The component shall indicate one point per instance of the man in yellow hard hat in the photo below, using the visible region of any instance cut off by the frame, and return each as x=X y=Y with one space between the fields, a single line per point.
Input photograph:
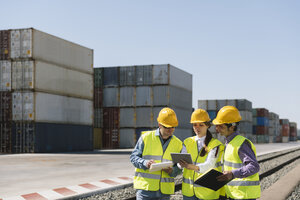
x=240 y=162
x=155 y=147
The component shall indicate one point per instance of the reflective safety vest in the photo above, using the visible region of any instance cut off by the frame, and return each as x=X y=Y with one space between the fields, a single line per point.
x=158 y=180
x=189 y=176
x=240 y=188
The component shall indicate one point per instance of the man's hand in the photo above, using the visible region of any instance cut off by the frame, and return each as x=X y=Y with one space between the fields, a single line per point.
x=149 y=163
x=227 y=176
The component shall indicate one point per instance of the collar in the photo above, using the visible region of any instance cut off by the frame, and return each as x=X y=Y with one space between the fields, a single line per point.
x=230 y=137
x=157 y=133
x=200 y=139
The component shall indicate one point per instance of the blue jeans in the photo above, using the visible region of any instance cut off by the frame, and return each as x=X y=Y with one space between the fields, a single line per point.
x=151 y=195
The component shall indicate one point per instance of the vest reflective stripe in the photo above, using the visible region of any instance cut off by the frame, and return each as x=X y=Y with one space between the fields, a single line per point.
x=218 y=164
x=167 y=180
x=150 y=157
x=240 y=188
x=159 y=180
x=243 y=183
x=190 y=189
x=233 y=165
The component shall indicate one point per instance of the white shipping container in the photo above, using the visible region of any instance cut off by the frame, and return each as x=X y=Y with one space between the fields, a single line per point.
x=127 y=117
x=202 y=104
x=51 y=108
x=246 y=115
x=127 y=96
x=31 y=43
x=168 y=74
x=50 y=78
x=144 y=96
x=144 y=117
x=5 y=75
x=211 y=104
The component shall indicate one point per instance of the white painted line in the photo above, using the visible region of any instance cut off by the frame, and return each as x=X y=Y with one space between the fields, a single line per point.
x=78 y=189
x=50 y=194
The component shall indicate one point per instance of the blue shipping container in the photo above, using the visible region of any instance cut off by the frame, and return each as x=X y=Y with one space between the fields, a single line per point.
x=262 y=121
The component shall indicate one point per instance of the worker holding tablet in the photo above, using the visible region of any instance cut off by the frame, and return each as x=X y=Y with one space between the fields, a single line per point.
x=206 y=153
x=156 y=147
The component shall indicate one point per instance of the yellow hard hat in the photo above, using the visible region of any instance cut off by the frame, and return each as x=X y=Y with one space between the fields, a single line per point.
x=227 y=115
x=167 y=118
x=199 y=116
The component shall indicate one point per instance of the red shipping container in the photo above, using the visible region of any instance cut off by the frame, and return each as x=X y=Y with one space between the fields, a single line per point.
x=98 y=97
x=110 y=138
x=262 y=112
x=262 y=130
x=111 y=117
x=285 y=131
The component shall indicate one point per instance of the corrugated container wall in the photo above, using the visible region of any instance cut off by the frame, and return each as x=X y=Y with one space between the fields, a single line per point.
x=5 y=122
x=4 y=45
x=5 y=75
x=51 y=108
x=31 y=43
x=144 y=75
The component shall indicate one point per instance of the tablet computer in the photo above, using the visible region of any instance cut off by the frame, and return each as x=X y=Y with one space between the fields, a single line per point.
x=209 y=180
x=176 y=157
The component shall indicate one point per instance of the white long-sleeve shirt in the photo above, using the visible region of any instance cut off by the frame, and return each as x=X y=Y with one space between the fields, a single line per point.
x=211 y=159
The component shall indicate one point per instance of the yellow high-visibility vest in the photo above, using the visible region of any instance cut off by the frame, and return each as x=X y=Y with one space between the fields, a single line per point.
x=240 y=188
x=189 y=176
x=159 y=180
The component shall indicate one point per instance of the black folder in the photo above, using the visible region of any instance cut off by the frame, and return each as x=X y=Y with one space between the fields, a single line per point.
x=209 y=180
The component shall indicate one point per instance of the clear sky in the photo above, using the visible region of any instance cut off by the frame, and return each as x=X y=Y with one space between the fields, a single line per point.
x=234 y=48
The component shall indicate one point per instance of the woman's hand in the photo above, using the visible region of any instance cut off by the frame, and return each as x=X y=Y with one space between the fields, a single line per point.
x=149 y=163
x=188 y=166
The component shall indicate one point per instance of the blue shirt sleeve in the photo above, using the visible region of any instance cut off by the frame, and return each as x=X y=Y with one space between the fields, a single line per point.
x=136 y=155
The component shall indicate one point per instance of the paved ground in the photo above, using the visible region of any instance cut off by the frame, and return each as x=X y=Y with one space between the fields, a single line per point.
x=30 y=173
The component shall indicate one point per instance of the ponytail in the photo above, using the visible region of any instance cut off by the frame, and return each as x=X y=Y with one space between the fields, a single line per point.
x=206 y=141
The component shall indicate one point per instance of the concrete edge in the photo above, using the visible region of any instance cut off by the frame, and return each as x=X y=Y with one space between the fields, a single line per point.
x=96 y=192
x=282 y=188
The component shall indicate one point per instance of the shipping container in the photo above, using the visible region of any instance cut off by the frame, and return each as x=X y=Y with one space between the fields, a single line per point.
x=285 y=139
x=5 y=75
x=231 y=102
x=182 y=134
x=243 y=104
x=29 y=137
x=45 y=107
x=111 y=97
x=5 y=106
x=98 y=77
x=98 y=117
x=50 y=78
x=202 y=104
x=212 y=105
x=285 y=127
x=5 y=137
x=98 y=97
x=127 y=137
x=172 y=97
x=144 y=75
x=127 y=96
x=262 y=112
x=127 y=117
x=246 y=115
x=31 y=43
x=138 y=132
x=4 y=45
x=170 y=75
x=111 y=118
x=111 y=138
x=144 y=96
x=212 y=114
x=144 y=117
x=262 y=121
x=260 y=130
x=97 y=138
x=127 y=76
x=221 y=103
x=245 y=127
x=111 y=77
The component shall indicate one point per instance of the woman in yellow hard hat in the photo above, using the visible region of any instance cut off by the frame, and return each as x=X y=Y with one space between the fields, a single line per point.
x=206 y=153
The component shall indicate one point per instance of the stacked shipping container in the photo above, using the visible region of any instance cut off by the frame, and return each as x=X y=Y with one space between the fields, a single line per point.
x=261 y=124
x=274 y=130
x=137 y=94
x=284 y=130
x=50 y=82
x=244 y=106
x=293 y=131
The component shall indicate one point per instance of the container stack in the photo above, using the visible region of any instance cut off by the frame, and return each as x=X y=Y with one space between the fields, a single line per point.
x=274 y=130
x=293 y=131
x=132 y=97
x=261 y=124
x=47 y=83
x=285 y=130
x=244 y=106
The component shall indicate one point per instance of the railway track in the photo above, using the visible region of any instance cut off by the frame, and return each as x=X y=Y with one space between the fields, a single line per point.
x=270 y=165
